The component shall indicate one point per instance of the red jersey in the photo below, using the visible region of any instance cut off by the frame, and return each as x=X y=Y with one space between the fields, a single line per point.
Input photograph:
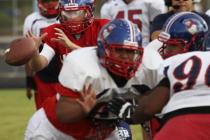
x=87 y=38
x=83 y=129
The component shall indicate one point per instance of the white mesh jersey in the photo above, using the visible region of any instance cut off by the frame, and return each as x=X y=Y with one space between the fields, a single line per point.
x=82 y=67
x=36 y=23
x=140 y=12
x=208 y=12
x=189 y=76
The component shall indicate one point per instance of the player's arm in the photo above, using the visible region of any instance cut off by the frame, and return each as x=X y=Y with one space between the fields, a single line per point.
x=30 y=84
x=153 y=103
x=69 y=110
x=39 y=61
x=63 y=39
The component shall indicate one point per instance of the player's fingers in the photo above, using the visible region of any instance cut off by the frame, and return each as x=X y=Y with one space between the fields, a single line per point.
x=29 y=33
x=43 y=36
x=55 y=40
x=59 y=34
x=59 y=30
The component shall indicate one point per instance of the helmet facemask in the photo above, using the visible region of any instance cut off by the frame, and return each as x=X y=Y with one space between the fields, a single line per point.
x=76 y=19
x=172 y=47
x=122 y=60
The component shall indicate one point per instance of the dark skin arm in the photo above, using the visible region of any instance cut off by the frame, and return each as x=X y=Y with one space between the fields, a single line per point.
x=152 y=103
x=70 y=110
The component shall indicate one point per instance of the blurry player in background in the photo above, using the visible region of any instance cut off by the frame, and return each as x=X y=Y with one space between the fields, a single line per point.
x=77 y=28
x=48 y=77
x=182 y=96
x=117 y=67
x=140 y=12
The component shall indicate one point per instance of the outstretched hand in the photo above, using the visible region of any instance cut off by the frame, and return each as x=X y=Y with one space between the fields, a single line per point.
x=63 y=39
x=37 y=40
x=87 y=99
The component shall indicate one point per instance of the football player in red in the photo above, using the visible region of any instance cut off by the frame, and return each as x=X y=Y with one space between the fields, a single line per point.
x=77 y=28
x=46 y=78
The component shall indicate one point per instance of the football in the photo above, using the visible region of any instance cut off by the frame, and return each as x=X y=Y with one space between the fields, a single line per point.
x=20 y=51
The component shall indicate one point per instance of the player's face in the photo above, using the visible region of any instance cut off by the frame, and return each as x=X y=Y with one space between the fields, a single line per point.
x=182 y=5
x=125 y=54
x=74 y=16
x=174 y=47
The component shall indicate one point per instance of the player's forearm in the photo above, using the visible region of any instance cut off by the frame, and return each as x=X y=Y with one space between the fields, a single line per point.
x=69 y=111
x=151 y=104
x=38 y=62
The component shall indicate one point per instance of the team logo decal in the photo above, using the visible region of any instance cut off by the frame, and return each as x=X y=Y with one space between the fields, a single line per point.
x=191 y=26
x=108 y=30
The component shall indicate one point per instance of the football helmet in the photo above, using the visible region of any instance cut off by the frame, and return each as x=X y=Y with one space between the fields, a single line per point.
x=76 y=15
x=48 y=8
x=183 y=32
x=120 y=47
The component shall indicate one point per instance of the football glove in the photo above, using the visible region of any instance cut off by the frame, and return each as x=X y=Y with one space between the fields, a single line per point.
x=122 y=108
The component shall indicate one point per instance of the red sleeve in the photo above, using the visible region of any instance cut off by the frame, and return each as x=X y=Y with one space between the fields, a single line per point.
x=67 y=92
x=51 y=34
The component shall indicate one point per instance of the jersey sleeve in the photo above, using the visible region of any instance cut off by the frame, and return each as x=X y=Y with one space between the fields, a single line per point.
x=150 y=66
x=50 y=35
x=79 y=69
x=27 y=24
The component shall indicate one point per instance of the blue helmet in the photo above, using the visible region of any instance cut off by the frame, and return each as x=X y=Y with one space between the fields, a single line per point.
x=118 y=36
x=184 y=32
x=76 y=15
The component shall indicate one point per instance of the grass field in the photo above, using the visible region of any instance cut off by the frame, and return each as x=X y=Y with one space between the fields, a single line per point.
x=15 y=111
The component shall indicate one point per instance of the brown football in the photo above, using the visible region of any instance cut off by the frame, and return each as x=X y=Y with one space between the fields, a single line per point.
x=20 y=51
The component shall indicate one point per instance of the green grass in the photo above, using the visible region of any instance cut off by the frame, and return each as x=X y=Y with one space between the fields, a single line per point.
x=16 y=110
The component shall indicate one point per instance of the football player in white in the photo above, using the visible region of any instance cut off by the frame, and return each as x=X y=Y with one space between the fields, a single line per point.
x=47 y=78
x=140 y=12
x=118 y=67
x=182 y=96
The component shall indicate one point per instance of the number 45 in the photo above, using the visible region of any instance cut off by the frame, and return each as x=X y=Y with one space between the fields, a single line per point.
x=131 y=14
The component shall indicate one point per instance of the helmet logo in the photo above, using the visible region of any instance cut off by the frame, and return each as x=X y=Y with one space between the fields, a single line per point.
x=191 y=26
x=71 y=3
x=109 y=29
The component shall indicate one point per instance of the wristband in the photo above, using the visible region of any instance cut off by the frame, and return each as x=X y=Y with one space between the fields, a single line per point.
x=30 y=82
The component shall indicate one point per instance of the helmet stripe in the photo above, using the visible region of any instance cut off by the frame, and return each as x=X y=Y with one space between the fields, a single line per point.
x=131 y=31
x=173 y=19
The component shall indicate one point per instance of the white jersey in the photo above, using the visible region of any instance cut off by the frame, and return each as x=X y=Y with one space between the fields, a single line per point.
x=140 y=12
x=155 y=44
x=36 y=23
x=82 y=67
x=189 y=76
x=208 y=12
